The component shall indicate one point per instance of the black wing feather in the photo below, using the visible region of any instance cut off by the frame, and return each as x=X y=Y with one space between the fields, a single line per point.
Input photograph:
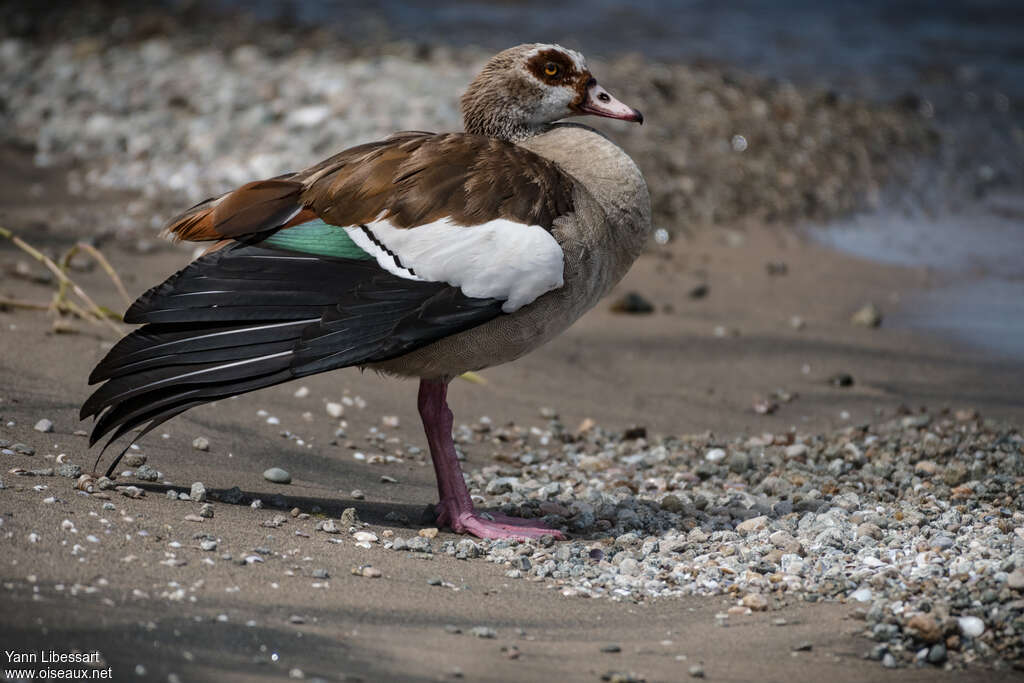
x=247 y=317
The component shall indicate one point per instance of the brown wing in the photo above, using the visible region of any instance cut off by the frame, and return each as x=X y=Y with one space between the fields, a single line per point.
x=410 y=179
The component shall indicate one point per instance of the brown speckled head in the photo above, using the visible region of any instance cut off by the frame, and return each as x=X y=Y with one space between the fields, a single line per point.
x=522 y=90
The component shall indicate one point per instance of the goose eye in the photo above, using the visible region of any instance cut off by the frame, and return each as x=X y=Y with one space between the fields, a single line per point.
x=551 y=69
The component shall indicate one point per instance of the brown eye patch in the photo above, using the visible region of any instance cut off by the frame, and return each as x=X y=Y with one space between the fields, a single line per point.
x=553 y=67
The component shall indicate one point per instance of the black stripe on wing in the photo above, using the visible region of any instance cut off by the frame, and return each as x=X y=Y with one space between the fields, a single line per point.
x=247 y=317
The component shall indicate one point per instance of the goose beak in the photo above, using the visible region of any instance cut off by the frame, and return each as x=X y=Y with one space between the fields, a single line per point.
x=600 y=102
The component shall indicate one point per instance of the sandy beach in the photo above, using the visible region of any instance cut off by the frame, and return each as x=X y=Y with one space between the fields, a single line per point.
x=750 y=349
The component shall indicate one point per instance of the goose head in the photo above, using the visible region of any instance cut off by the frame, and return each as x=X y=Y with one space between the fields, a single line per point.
x=523 y=89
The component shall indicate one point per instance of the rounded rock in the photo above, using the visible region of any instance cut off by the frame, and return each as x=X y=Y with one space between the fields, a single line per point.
x=277 y=475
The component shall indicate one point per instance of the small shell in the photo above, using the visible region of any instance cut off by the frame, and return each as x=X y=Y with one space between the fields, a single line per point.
x=86 y=483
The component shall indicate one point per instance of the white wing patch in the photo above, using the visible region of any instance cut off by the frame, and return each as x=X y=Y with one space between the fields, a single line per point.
x=499 y=259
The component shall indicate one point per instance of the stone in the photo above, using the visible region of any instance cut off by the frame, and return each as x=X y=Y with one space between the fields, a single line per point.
x=752 y=525
x=937 y=654
x=715 y=455
x=755 y=601
x=633 y=303
x=796 y=450
x=869 y=530
x=672 y=503
x=146 y=473
x=277 y=475
x=349 y=518
x=198 y=492
x=925 y=627
x=69 y=470
x=971 y=627
x=1015 y=579
x=867 y=316
x=201 y=443
x=335 y=410
x=206 y=511
x=696 y=671
x=44 y=425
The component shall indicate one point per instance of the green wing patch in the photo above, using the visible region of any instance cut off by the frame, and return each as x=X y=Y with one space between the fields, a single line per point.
x=317 y=237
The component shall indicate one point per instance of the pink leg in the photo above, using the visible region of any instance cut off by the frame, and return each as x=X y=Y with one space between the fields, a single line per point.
x=456 y=507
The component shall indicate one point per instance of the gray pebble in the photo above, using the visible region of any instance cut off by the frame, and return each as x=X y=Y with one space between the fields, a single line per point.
x=146 y=473
x=44 y=425
x=198 y=492
x=69 y=470
x=277 y=475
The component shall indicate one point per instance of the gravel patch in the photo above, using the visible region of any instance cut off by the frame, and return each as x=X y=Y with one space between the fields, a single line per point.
x=916 y=521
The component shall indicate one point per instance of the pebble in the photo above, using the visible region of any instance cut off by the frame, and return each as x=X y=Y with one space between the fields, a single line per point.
x=134 y=460
x=330 y=527
x=715 y=455
x=926 y=627
x=201 y=443
x=206 y=510
x=1015 y=580
x=696 y=671
x=632 y=303
x=277 y=475
x=198 y=492
x=69 y=470
x=755 y=601
x=335 y=410
x=146 y=473
x=350 y=518
x=365 y=537
x=611 y=648
x=370 y=572
x=483 y=632
x=44 y=425
x=971 y=627
x=867 y=316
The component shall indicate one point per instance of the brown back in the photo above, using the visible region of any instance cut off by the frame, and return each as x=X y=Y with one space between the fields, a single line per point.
x=410 y=179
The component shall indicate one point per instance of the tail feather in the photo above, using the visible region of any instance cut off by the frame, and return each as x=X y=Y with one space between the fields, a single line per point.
x=247 y=317
x=159 y=345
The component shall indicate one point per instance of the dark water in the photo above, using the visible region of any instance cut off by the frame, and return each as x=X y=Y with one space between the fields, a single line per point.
x=963 y=212
x=871 y=45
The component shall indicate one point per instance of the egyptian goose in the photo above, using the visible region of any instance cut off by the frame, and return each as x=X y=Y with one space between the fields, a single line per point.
x=423 y=255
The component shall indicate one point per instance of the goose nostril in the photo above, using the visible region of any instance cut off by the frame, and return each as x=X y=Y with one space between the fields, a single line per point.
x=604 y=97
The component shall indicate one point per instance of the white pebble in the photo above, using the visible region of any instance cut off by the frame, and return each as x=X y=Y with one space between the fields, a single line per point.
x=972 y=627
x=715 y=455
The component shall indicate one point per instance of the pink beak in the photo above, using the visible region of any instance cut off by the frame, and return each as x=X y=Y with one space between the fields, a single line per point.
x=599 y=102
